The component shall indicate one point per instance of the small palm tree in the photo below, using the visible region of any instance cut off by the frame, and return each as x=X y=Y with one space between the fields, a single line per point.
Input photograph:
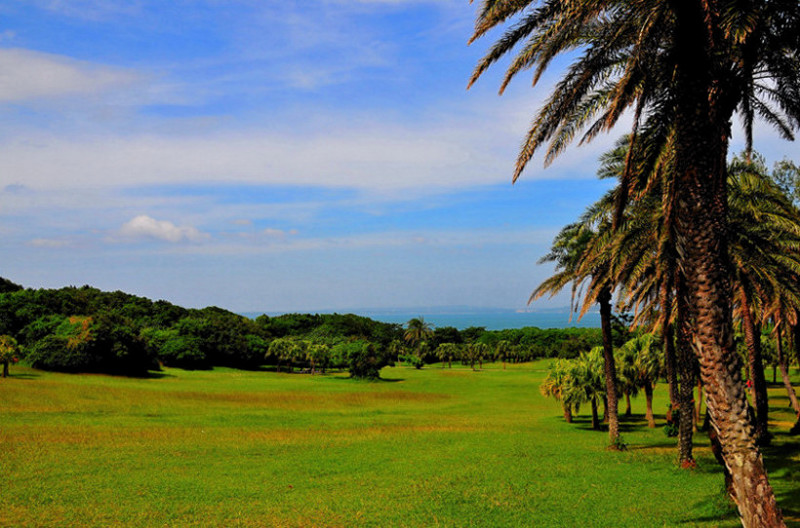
x=588 y=378
x=502 y=351
x=643 y=360
x=318 y=354
x=559 y=384
x=8 y=352
x=446 y=352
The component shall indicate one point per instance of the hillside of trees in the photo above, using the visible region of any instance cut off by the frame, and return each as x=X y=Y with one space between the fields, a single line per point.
x=83 y=329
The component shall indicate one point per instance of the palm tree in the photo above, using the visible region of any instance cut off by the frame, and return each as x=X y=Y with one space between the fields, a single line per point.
x=446 y=352
x=685 y=66
x=8 y=349
x=280 y=349
x=589 y=377
x=396 y=350
x=764 y=240
x=318 y=354
x=417 y=330
x=580 y=254
x=782 y=365
x=560 y=384
x=627 y=378
x=642 y=359
x=502 y=351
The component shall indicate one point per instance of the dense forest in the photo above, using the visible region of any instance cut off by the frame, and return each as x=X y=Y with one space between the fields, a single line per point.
x=83 y=329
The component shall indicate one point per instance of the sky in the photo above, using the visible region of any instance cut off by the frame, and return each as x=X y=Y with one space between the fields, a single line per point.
x=265 y=155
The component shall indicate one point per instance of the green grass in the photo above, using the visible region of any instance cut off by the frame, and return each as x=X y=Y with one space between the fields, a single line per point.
x=426 y=448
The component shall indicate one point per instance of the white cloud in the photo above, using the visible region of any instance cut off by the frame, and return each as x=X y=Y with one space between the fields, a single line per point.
x=450 y=151
x=144 y=226
x=49 y=243
x=449 y=241
x=29 y=75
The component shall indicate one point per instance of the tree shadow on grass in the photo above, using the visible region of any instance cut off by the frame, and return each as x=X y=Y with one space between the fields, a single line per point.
x=368 y=380
x=781 y=461
x=24 y=375
x=155 y=374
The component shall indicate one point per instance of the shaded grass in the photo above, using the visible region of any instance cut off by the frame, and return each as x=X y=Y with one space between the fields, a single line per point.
x=437 y=448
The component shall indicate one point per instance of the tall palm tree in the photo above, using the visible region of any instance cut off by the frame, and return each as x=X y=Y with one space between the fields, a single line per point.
x=764 y=236
x=417 y=331
x=578 y=260
x=687 y=65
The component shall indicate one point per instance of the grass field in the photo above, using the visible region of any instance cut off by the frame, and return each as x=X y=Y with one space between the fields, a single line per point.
x=422 y=448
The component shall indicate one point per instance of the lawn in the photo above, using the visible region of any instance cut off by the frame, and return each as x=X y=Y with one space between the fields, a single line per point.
x=431 y=447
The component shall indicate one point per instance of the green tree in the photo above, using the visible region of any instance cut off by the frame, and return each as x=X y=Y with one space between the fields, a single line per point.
x=502 y=351
x=560 y=384
x=280 y=350
x=687 y=67
x=446 y=352
x=318 y=355
x=8 y=352
x=417 y=330
x=643 y=360
x=581 y=257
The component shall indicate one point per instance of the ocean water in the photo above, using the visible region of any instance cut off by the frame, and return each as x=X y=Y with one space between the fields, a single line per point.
x=494 y=320
x=491 y=320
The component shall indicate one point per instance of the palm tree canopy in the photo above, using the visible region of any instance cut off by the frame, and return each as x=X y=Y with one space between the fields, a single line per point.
x=417 y=330
x=627 y=55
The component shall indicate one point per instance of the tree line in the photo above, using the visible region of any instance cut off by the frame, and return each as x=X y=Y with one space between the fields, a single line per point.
x=83 y=329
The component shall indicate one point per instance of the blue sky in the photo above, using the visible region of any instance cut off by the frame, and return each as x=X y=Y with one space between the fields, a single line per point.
x=274 y=155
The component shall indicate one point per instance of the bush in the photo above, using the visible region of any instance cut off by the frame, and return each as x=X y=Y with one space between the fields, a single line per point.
x=82 y=344
x=183 y=352
x=363 y=359
x=412 y=360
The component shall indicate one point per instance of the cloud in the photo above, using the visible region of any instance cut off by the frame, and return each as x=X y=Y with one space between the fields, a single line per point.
x=27 y=75
x=49 y=243
x=443 y=241
x=144 y=226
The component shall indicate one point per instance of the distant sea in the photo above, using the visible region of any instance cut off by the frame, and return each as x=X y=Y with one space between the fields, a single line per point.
x=496 y=319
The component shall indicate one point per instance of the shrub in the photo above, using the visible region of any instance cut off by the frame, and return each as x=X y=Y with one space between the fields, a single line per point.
x=363 y=359
x=83 y=344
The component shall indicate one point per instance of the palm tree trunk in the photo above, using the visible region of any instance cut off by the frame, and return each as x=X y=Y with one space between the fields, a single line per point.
x=686 y=390
x=648 y=396
x=702 y=130
x=5 y=368
x=610 y=369
x=795 y=344
x=785 y=373
x=752 y=336
x=627 y=404
x=669 y=343
x=595 y=418
x=567 y=412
